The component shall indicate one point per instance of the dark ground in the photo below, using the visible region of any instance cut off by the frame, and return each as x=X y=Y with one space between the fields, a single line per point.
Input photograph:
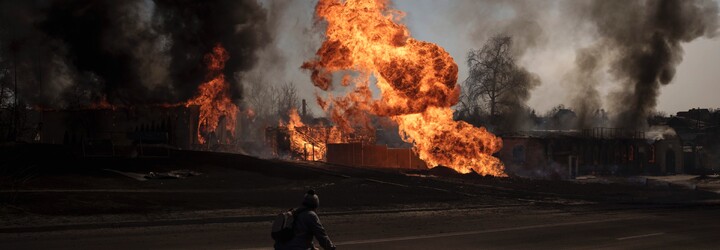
x=64 y=202
x=526 y=227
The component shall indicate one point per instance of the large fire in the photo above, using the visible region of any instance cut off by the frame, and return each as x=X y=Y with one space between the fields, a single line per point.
x=213 y=97
x=310 y=142
x=417 y=81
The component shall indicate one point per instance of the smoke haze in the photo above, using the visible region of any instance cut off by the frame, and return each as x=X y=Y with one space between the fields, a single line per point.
x=643 y=41
x=613 y=55
x=75 y=52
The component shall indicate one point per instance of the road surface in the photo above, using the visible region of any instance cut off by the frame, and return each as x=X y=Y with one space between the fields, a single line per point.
x=517 y=227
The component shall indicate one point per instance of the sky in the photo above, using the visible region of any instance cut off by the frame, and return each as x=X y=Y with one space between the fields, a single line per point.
x=696 y=83
x=459 y=26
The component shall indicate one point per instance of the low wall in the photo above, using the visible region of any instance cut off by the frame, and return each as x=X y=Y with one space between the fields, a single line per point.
x=357 y=154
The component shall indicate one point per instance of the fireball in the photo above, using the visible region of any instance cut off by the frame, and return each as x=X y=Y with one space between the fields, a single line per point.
x=417 y=81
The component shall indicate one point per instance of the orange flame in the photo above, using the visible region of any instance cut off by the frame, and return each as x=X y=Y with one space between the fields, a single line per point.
x=417 y=81
x=213 y=97
x=102 y=104
x=310 y=142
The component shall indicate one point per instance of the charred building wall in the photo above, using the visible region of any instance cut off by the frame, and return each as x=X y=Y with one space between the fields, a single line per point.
x=359 y=148
x=115 y=132
x=566 y=155
x=699 y=132
x=370 y=155
x=669 y=156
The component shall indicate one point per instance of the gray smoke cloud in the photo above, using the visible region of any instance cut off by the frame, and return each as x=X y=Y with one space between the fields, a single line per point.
x=75 y=52
x=295 y=37
x=642 y=42
x=581 y=84
x=479 y=21
x=634 y=44
x=516 y=19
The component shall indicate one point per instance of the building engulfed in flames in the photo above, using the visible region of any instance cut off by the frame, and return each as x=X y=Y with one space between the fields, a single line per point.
x=320 y=142
x=213 y=98
x=207 y=121
x=121 y=131
x=308 y=142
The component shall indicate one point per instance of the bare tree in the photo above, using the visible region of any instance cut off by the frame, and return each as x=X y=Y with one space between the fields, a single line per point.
x=261 y=99
x=499 y=86
x=493 y=76
x=287 y=99
x=270 y=102
x=470 y=109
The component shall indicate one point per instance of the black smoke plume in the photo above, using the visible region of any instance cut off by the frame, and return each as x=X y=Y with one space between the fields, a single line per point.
x=581 y=84
x=75 y=52
x=642 y=40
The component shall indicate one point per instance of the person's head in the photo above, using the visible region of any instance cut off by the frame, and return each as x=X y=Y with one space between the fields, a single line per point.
x=311 y=200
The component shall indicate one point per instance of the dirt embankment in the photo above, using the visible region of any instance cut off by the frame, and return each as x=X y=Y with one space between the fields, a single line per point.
x=48 y=185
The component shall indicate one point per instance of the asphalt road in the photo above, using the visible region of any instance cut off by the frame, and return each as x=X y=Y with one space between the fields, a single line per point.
x=520 y=227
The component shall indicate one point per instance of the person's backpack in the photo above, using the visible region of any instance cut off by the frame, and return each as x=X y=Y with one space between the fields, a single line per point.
x=283 y=228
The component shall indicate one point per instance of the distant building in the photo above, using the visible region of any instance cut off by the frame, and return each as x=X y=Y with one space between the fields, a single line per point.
x=136 y=131
x=695 y=114
x=605 y=151
x=699 y=132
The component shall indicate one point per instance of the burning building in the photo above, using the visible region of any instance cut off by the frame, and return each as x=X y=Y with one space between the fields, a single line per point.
x=417 y=84
x=127 y=131
x=117 y=132
x=321 y=142
x=207 y=121
x=368 y=66
x=127 y=73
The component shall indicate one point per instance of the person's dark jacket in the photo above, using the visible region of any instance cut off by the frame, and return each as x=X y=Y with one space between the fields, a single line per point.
x=307 y=226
